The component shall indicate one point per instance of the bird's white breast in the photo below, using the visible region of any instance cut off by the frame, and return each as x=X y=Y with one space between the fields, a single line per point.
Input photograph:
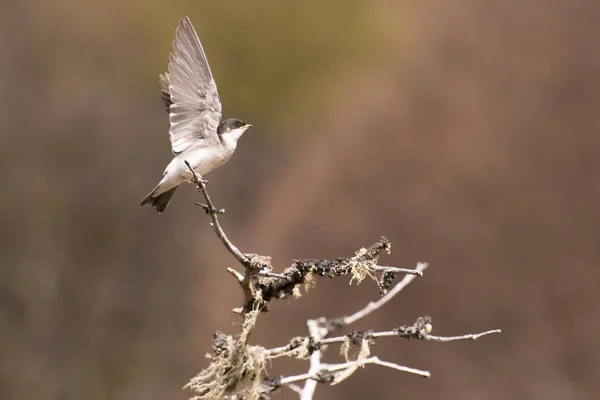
x=202 y=159
x=205 y=159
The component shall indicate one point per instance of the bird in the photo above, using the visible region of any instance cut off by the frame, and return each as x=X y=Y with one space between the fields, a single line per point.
x=197 y=133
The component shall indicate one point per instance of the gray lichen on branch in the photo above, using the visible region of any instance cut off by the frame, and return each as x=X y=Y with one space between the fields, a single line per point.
x=361 y=265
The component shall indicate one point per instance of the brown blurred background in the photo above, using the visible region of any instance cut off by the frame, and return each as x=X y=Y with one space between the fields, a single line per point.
x=465 y=131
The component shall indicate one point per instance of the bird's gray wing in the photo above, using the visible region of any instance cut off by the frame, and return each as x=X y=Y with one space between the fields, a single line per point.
x=190 y=92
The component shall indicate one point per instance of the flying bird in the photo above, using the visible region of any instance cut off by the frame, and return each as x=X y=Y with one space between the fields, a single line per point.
x=197 y=133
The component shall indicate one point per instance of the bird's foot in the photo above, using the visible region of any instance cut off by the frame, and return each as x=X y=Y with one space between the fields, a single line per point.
x=198 y=180
x=210 y=210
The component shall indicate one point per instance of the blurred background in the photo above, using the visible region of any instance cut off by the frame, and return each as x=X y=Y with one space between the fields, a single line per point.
x=466 y=132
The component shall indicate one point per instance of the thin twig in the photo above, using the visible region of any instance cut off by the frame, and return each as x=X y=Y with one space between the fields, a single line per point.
x=377 y=361
x=471 y=336
x=299 y=378
x=295 y=388
x=372 y=306
x=328 y=368
x=213 y=212
x=397 y=270
x=277 y=351
x=209 y=207
x=238 y=276
x=388 y=364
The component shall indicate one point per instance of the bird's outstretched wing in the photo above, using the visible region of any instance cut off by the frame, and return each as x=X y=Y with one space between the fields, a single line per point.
x=190 y=92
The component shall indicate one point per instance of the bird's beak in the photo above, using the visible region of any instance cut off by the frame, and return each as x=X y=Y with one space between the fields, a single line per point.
x=248 y=126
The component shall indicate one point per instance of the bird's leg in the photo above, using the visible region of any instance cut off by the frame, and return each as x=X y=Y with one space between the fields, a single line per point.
x=196 y=178
x=200 y=183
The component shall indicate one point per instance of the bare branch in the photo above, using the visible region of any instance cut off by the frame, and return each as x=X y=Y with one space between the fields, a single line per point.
x=415 y=371
x=299 y=378
x=420 y=330
x=471 y=336
x=372 y=306
x=212 y=211
x=238 y=276
x=317 y=332
x=326 y=369
x=295 y=388
x=398 y=270
x=250 y=298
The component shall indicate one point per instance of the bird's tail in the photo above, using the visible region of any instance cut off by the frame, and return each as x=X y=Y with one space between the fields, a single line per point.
x=160 y=201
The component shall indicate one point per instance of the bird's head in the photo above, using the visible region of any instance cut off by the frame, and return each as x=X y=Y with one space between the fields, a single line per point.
x=232 y=129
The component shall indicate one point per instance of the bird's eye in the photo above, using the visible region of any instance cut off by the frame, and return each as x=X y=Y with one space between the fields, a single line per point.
x=238 y=124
